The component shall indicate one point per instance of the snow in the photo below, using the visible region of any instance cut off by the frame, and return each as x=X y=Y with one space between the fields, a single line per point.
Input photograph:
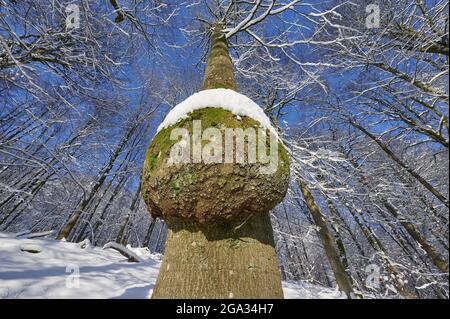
x=306 y=290
x=27 y=234
x=103 y=273
x=238 y=104
x=52 y=272
x=125 y=251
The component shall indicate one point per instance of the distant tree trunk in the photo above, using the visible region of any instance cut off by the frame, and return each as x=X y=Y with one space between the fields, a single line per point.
x=112 y=196
x=291 y=269
x=35 y=180
x=122 y=226
x=40 y=177
x=295 y=257
x=73 y=219
x=415 y=234
x=342 y=279
x=338 y=240
x=123 y=167
x=376 y=245
x=11 y=136
x=408 y=226
x=149 y=233
x=159 y=237
x=90 y=214
x=33 y=192
x=134 y=205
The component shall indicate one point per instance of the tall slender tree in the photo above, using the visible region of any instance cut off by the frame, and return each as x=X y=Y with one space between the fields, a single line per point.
x=220 y=242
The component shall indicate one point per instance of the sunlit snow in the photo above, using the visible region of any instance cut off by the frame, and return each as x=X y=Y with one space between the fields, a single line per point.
x=58 y=269
x=236 y=103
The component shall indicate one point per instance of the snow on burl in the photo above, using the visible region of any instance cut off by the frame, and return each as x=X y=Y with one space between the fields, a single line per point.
x=236 y=103
x=46 y=268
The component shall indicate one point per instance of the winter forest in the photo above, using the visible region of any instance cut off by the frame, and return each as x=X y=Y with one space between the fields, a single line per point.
x=357 y=91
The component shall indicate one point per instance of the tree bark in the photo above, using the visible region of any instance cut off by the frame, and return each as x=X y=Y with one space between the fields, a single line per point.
x=235 y=260
x=342 y=279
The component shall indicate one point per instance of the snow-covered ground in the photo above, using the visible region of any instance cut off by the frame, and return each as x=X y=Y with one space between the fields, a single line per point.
x=45 y=268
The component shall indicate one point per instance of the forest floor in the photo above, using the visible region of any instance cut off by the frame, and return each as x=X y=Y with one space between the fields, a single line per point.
x=45 y=268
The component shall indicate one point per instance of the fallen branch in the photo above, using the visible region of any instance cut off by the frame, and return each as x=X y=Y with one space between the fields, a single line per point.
x=29 y=235
x=132 y=257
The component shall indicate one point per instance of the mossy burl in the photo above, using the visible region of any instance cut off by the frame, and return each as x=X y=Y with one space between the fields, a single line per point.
x=210 y=192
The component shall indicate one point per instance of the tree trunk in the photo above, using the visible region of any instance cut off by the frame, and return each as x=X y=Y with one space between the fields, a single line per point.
x=220 y=261
x=73 y=219
x=408 y=226
x=376 y=244
x=149 y=233
x=342 y=279
x=126 y=219
x=335 y=226
x=417 y=236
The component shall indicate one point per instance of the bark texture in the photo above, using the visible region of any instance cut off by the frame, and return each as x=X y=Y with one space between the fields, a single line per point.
x=219 y=70
x=342 y=278
x=234 y=260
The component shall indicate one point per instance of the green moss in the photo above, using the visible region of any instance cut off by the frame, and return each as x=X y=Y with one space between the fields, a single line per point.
x=151 y=161
x=190 y=179
x=209 y=116
x=159 y=150
x=176 y=187
x=220 y=86
x=284 y=162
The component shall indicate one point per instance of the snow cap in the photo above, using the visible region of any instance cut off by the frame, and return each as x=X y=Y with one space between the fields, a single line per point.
x=236 y=103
